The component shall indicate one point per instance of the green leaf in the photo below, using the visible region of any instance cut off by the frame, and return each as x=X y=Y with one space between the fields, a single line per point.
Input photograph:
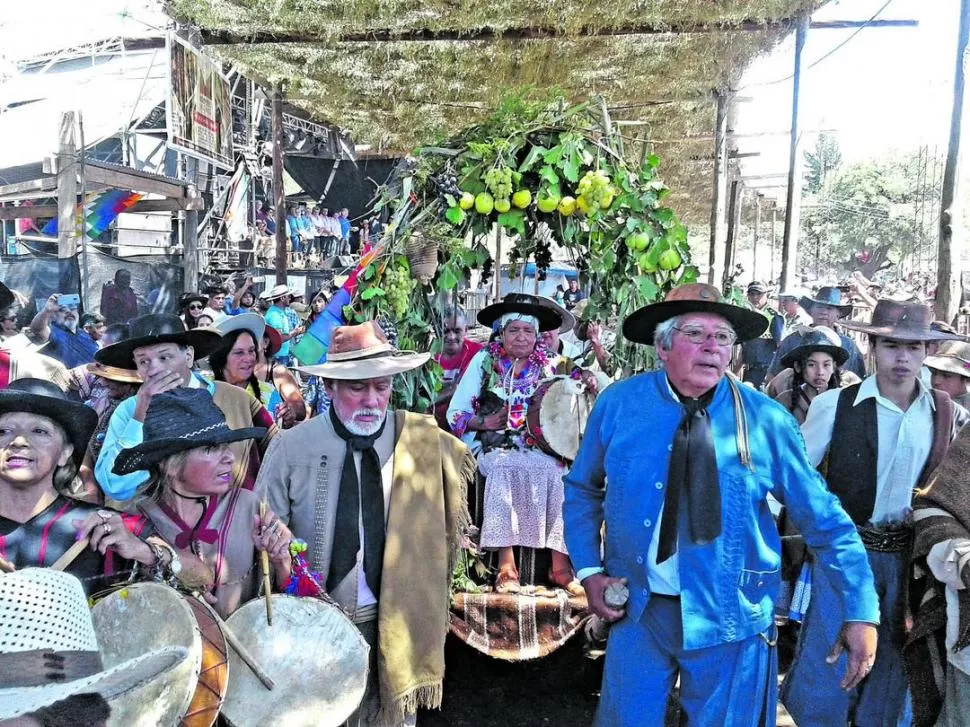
x=447 y=277
x=647 y=286
x=535 y=153
x=570 y=169
x=549 y=175
x=653 y=161
x=665 y=217
x=455 y=215
x=514 y=220
x=370 y=271
x=553 y=155
x=450 y=200
x=372 y=293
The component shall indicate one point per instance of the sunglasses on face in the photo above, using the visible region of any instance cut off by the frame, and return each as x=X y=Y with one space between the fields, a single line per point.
x=195 y=307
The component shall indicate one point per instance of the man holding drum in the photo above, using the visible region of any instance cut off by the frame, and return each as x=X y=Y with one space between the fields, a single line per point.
x=380 y=498
x=678 y=464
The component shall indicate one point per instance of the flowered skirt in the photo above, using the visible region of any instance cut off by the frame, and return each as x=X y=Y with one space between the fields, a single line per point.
x=523 y=500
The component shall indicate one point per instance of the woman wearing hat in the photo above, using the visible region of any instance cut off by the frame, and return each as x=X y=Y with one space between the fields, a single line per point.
x=191 y=306
x=813 y=368
x=43 y=436
x=236 y=362
x=523 y=485
x=190 y=502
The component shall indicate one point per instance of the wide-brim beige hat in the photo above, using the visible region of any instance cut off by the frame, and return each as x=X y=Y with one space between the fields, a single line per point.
x=363 y=352
x=254 y=323
x=952 y=357
x=275 y=292
x=50 y=650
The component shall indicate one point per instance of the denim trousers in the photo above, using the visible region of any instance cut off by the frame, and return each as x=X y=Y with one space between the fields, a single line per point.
x=732 y=684
x=811 y=691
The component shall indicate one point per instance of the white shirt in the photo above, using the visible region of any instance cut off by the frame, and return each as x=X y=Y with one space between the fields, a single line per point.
x=946 y=560
x=904 y=442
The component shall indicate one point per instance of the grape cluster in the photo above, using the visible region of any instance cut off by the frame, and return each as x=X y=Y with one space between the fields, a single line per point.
x=487 y=270
x=543 y=258
x=499 y=182
x=389 y=328
x=595 y=187
x=397 y=284
x=445 y=184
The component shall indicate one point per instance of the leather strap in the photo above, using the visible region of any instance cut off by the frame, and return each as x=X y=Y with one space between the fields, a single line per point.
x=43 y=666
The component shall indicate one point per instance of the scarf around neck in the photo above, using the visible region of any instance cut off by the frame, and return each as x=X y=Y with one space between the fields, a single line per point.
x=358 y=500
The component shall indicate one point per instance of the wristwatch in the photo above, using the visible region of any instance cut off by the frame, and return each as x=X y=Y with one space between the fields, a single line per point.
x=174 y=563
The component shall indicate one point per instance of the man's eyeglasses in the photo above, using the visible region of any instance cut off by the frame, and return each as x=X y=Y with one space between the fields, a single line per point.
x=699 y=336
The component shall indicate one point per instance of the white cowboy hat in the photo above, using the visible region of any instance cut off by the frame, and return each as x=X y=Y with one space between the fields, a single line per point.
x=49 y=650
x=363 y=352
x=252 y=322
x=277 y=291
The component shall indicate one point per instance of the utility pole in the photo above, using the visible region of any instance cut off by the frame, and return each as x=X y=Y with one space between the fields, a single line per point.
x=718 y=203
x=774 y=227
x=951 y=211
x=278 y=193
x=730 y=243
x=789 y=243
x=66 y=188
x=757 y=232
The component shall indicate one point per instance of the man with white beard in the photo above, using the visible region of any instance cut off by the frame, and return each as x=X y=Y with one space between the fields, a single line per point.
x=359 y=477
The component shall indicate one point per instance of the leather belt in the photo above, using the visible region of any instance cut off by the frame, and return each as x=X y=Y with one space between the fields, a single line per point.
x=886 y=540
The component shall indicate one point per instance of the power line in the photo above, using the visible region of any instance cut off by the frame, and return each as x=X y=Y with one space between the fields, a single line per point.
x=829 y=53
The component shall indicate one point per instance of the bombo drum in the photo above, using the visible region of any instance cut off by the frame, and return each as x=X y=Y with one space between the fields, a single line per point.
x=557 y=416
x=137 y=618
x=314 y=654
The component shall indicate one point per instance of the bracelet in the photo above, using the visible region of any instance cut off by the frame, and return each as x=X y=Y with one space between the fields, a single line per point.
x=158 y=569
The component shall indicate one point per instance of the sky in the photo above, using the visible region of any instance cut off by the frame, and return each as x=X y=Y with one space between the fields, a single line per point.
x=886 y=88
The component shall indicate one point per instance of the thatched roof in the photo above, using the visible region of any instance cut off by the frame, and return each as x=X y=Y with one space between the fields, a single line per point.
x=399 y=73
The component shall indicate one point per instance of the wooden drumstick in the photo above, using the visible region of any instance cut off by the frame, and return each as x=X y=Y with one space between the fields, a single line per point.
x=71 y=555
x=241 y=650
x=6 y=566
x=264 y=561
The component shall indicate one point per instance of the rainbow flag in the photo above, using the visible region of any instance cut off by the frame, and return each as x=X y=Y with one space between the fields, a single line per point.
x=101 y=211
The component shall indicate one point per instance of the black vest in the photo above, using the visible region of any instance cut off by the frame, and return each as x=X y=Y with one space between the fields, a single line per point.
x=854 y=449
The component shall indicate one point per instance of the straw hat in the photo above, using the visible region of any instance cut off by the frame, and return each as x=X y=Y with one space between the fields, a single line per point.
x=36 y=396
x=178 y=420
x=275 y=292
x=49 y=649
x=952 y=357
x=640 y=325
x=903 y=321
x=111 y=373
x=363 y=352
x=154 y=329
x=254 y=323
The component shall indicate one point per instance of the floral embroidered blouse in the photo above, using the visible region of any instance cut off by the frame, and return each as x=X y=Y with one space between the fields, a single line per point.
x=491 y=372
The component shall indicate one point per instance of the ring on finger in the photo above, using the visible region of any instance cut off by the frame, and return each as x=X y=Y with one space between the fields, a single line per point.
x=104 y=515
x=106 y=528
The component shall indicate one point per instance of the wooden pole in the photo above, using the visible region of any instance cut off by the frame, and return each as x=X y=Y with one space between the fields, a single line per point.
x=66 y=188
x=757 y=232
x=793 y=201
x=278 y=193
x=951 y=215
x=718 y=202
x=498 y=263
x=774 y=228
x=734 y=218
x=190 y=249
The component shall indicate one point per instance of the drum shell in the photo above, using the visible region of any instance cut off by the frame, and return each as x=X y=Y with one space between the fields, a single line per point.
x=133 y=619
x=558 y=432
x=313 y=652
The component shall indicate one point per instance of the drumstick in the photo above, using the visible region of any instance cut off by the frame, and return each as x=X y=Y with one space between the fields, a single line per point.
x=6 y=566
x=71 y=555
x=241 y=650
x=264 y=561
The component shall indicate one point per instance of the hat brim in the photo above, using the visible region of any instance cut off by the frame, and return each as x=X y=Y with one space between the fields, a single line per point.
x=641 y=325
x=949 y=365
x=122 y=354
x=254 y=323
x=7 y=298
x=77 y=420
x=924 y=335
x=275 y=341
x=110 y=683
x=806 y=303
x=549 y=320
x=839 y=354
x=368 y=368
x=122 y=376
x=147 y=454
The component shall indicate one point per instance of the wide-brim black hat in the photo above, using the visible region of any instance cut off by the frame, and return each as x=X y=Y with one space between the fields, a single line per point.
x=36 y=396
x=177 y=421
x=523 y=303
x=821 y=340
x=641 y=325
x=7 y=298
x=154 y=329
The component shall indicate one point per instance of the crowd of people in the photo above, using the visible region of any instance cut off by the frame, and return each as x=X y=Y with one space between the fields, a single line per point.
x=813 y=491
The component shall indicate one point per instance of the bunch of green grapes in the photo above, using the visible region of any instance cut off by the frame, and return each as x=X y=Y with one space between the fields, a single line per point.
x=397 y=284
x=499 y=182
x=595 y=187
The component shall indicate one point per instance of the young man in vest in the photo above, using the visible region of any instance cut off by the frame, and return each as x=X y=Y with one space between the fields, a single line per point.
x=880 y=440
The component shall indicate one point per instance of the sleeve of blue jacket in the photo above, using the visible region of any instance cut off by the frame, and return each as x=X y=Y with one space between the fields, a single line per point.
x=823 y=523
x=123 y=432
x=584 y=491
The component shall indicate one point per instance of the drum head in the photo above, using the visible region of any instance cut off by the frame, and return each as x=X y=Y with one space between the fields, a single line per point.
x=314 y=654
x=563 y=414
x=136 y=619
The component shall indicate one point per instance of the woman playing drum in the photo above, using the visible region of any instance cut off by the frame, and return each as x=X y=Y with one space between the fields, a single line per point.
x=189 y=501
x=523 y=485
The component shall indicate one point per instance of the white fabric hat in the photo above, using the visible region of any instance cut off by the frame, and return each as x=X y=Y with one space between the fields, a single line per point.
x=252 y=322
x=49 y=650
x=276 y=292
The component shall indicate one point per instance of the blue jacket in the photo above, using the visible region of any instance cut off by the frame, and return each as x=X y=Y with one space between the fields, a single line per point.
x=728 y=586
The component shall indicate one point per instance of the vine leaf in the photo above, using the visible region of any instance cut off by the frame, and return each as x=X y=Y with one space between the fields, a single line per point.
x=372 y=293
x=514 y=220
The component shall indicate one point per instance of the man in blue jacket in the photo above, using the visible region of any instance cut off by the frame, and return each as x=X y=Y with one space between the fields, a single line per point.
x=690 y=456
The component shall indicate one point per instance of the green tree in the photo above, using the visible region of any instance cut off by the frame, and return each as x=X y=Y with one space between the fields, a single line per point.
x=821 y=162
